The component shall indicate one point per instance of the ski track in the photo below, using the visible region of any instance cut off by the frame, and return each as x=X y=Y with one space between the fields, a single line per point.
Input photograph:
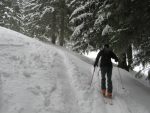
x=89 y=98
x=66 y=89
x=122 y=101
x=67 y=92
x=75 y=77
x=54 y=96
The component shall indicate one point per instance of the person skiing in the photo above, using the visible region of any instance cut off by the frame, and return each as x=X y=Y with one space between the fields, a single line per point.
x=106 y=68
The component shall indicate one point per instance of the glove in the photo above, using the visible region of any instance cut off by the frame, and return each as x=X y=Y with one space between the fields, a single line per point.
x=116 y=60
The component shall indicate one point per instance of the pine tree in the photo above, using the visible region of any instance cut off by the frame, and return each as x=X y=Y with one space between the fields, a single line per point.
x=64 y=14
x=121 y=23
x=141 y=23
x=85 y=35
x=2 y=6
x=40 y=17
x=10 y=16
x=48 y=18
x=130 y=20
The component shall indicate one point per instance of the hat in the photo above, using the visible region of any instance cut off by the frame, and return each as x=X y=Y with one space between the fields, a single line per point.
x=106 y=45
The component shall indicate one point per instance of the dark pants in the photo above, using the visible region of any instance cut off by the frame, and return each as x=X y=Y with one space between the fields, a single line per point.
x=108 y=71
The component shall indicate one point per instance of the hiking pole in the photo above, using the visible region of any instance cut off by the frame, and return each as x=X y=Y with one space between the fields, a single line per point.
x=99 y=77
x=98 y=74
x=121 y=79
x=92 y=76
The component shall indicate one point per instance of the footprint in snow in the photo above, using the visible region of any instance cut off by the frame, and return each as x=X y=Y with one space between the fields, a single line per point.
x=5 y=74
x=34 y=91
x=26 y=74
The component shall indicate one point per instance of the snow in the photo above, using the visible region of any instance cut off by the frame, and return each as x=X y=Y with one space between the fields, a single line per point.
x=39 y=78
x=77 y=10
x=47 y=10
x=1 y=3
x=99 y=20
x=80 y=9
x=78 y=29
x=72 y=2
x=107 y=30
x=35 y=6
x=81 y=17
x=108 y=14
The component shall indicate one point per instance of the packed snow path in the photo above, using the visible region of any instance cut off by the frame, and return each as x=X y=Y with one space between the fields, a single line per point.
x=40 y=78
x=34 y=80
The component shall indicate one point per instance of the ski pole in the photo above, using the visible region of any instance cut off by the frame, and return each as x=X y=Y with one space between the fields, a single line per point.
x=99 y=76
x=98 y=73
x=121 y=79
x=92 y=76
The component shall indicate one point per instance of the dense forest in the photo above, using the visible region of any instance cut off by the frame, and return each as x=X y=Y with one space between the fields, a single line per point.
x=85 y=25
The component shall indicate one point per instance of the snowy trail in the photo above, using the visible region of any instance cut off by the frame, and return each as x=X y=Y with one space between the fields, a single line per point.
x=40 y=78
x=67 y=94
x=135 y=95
x=93 y=99
x=28 y=91
x=124 y=101
x=33 y=77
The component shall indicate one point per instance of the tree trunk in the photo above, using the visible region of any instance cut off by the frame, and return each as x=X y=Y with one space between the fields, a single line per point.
x=129 y=56
x=122 y=63
x=62 y=19
x=53 y=33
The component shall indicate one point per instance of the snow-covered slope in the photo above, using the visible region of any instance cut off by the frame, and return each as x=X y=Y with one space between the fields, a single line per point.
x=40 y=78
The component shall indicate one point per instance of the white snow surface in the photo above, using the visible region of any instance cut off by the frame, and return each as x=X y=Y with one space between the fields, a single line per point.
x=107 y=30
x=39 y=78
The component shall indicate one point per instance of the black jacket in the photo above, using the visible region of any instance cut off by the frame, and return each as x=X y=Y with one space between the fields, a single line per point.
x=106 y=56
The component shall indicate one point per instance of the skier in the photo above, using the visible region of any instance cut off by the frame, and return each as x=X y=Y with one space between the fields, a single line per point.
x=106 y=68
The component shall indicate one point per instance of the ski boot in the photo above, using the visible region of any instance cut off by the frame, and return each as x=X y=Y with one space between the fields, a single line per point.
x=109 y=95
x=103 y=91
